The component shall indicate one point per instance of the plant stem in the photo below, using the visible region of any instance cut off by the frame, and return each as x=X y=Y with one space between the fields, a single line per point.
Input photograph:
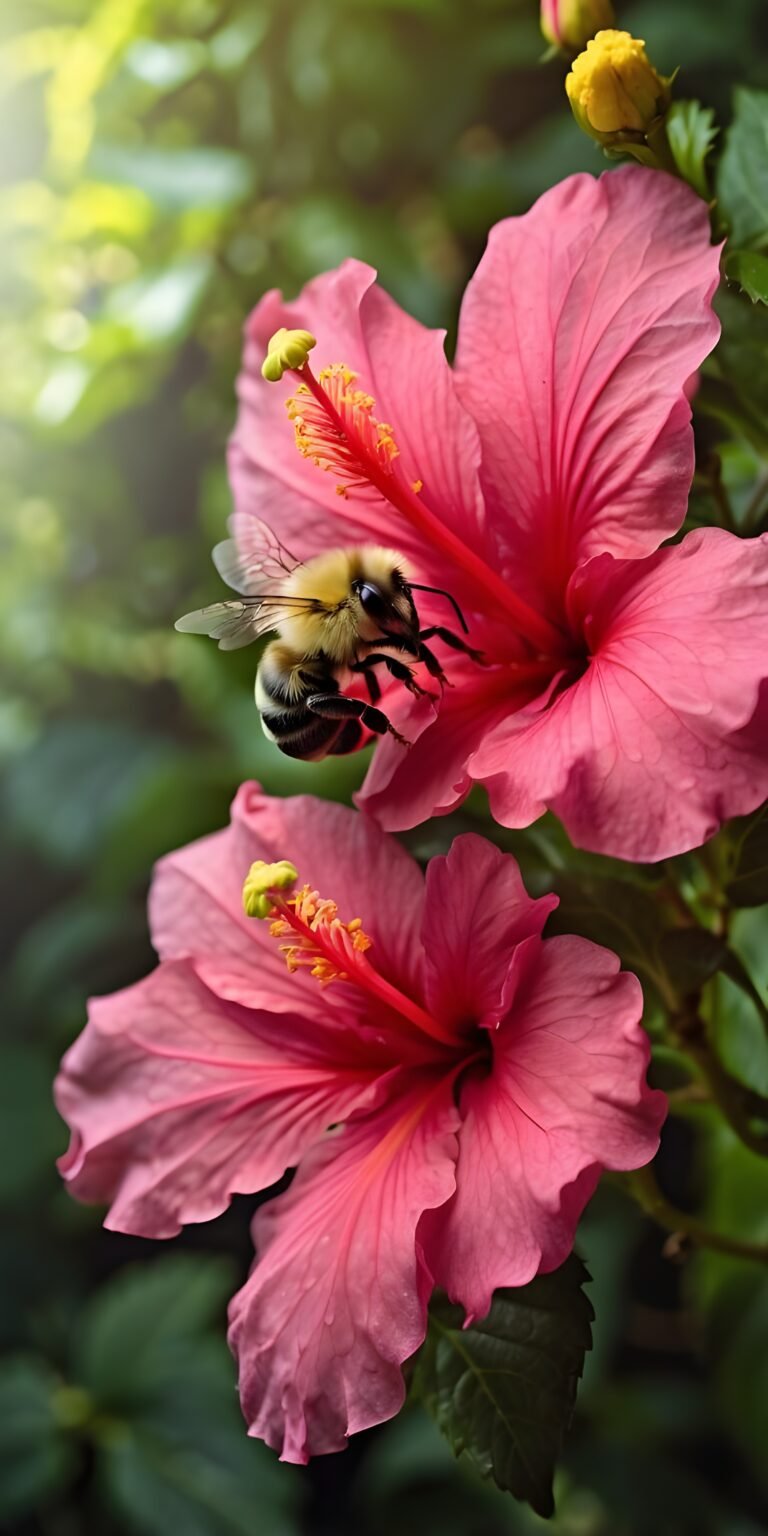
x=657 y=141
x=720 y=495
x=643 y=1188
x=755 y=505
x=736 y=1102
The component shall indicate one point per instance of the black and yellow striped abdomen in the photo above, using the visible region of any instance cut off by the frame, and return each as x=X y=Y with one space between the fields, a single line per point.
x=284 y=682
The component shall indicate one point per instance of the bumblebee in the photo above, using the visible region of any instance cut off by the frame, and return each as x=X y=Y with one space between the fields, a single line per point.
x=335 y=616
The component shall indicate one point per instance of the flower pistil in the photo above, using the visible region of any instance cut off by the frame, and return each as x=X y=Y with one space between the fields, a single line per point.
x=334 y=442
x=319 y=941
x=335 y=428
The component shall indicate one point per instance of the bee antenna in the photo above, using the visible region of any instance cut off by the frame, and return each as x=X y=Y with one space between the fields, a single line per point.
x=417 y=586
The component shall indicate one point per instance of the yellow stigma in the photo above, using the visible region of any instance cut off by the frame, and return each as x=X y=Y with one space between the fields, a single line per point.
x=261 y=880
x=319 y=940
x=613 y=88
x=287 y=349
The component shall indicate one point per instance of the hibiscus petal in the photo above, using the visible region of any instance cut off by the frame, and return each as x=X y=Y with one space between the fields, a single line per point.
x=476 y=911
x=178 y=1100
x=337 y=1299
x=196 y=900
x=403 y=366
x=566 y=1097
x=664 y=736
x=579 y=331
x=432 y=777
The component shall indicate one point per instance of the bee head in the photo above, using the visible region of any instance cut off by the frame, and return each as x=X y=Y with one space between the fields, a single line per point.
x=387 y=606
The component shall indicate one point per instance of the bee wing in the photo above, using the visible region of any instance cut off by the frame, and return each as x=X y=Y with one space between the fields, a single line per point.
x=239 y=621
x=254 y=558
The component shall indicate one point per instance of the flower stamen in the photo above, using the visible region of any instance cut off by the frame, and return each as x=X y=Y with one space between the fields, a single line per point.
x=320 y=438
x=336 y=428
x=318 y=940
x=324 y=944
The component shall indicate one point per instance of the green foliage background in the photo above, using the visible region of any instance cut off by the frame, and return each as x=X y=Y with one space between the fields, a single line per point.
x=163 y=163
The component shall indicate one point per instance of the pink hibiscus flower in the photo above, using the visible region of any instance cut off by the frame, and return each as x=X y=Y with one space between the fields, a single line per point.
x=535 y=480
x=450 y=1098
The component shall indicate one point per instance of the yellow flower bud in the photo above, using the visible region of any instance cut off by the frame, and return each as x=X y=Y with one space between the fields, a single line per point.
x=261 y=880
x=615 y=93
x=287 y=349
x=569 y=24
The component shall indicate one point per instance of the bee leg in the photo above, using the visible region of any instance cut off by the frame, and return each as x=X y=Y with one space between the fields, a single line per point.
x=371 y=681
x=397 y=669
x=448 y=637
x=336 y=706
x=432 y=665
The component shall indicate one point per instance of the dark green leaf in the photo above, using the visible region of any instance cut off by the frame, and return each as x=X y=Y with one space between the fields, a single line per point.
x=503 y=1390
x=139 y=1329
x=31 y=1134
x=624 y=917
x=158 y=1485
x=181 y=1457
x=739 y=1003
x=742 y=185
x=735 y=385
x=35 y=1456
x=742 y=1375
x=64 y=792
x=410 y=1484
x=732 y=1292
x=748 y=885
x=750 y=270
x=691 y=956
x=691 y=132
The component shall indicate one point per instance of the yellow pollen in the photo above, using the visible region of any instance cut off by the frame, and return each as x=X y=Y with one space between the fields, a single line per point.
x=342 y=440
x=322 y=944
x=286 y=349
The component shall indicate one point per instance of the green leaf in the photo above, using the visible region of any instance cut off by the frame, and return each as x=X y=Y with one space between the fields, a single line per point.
x=172 y=1451
x=160 y=1484
x=735 y=382
x=176 y=179
x=750 y=270
x=742 y=184
x=738 y=1004
x=410 y=1483
x=691 y=131
x=691 y=956
x=733 y=1292
x=748 y=885
x=64 y=792
x=503 y=1390
x=140 y=1328
x=158 y=307
x=35 y=1457
x=624 y=917
x=31 y=1134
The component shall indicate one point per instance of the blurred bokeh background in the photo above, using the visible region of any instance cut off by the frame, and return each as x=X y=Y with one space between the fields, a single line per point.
x=162 y=163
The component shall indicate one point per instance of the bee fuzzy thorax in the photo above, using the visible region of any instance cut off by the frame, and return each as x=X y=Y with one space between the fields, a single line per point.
x=336 y=623
x=328 y=577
